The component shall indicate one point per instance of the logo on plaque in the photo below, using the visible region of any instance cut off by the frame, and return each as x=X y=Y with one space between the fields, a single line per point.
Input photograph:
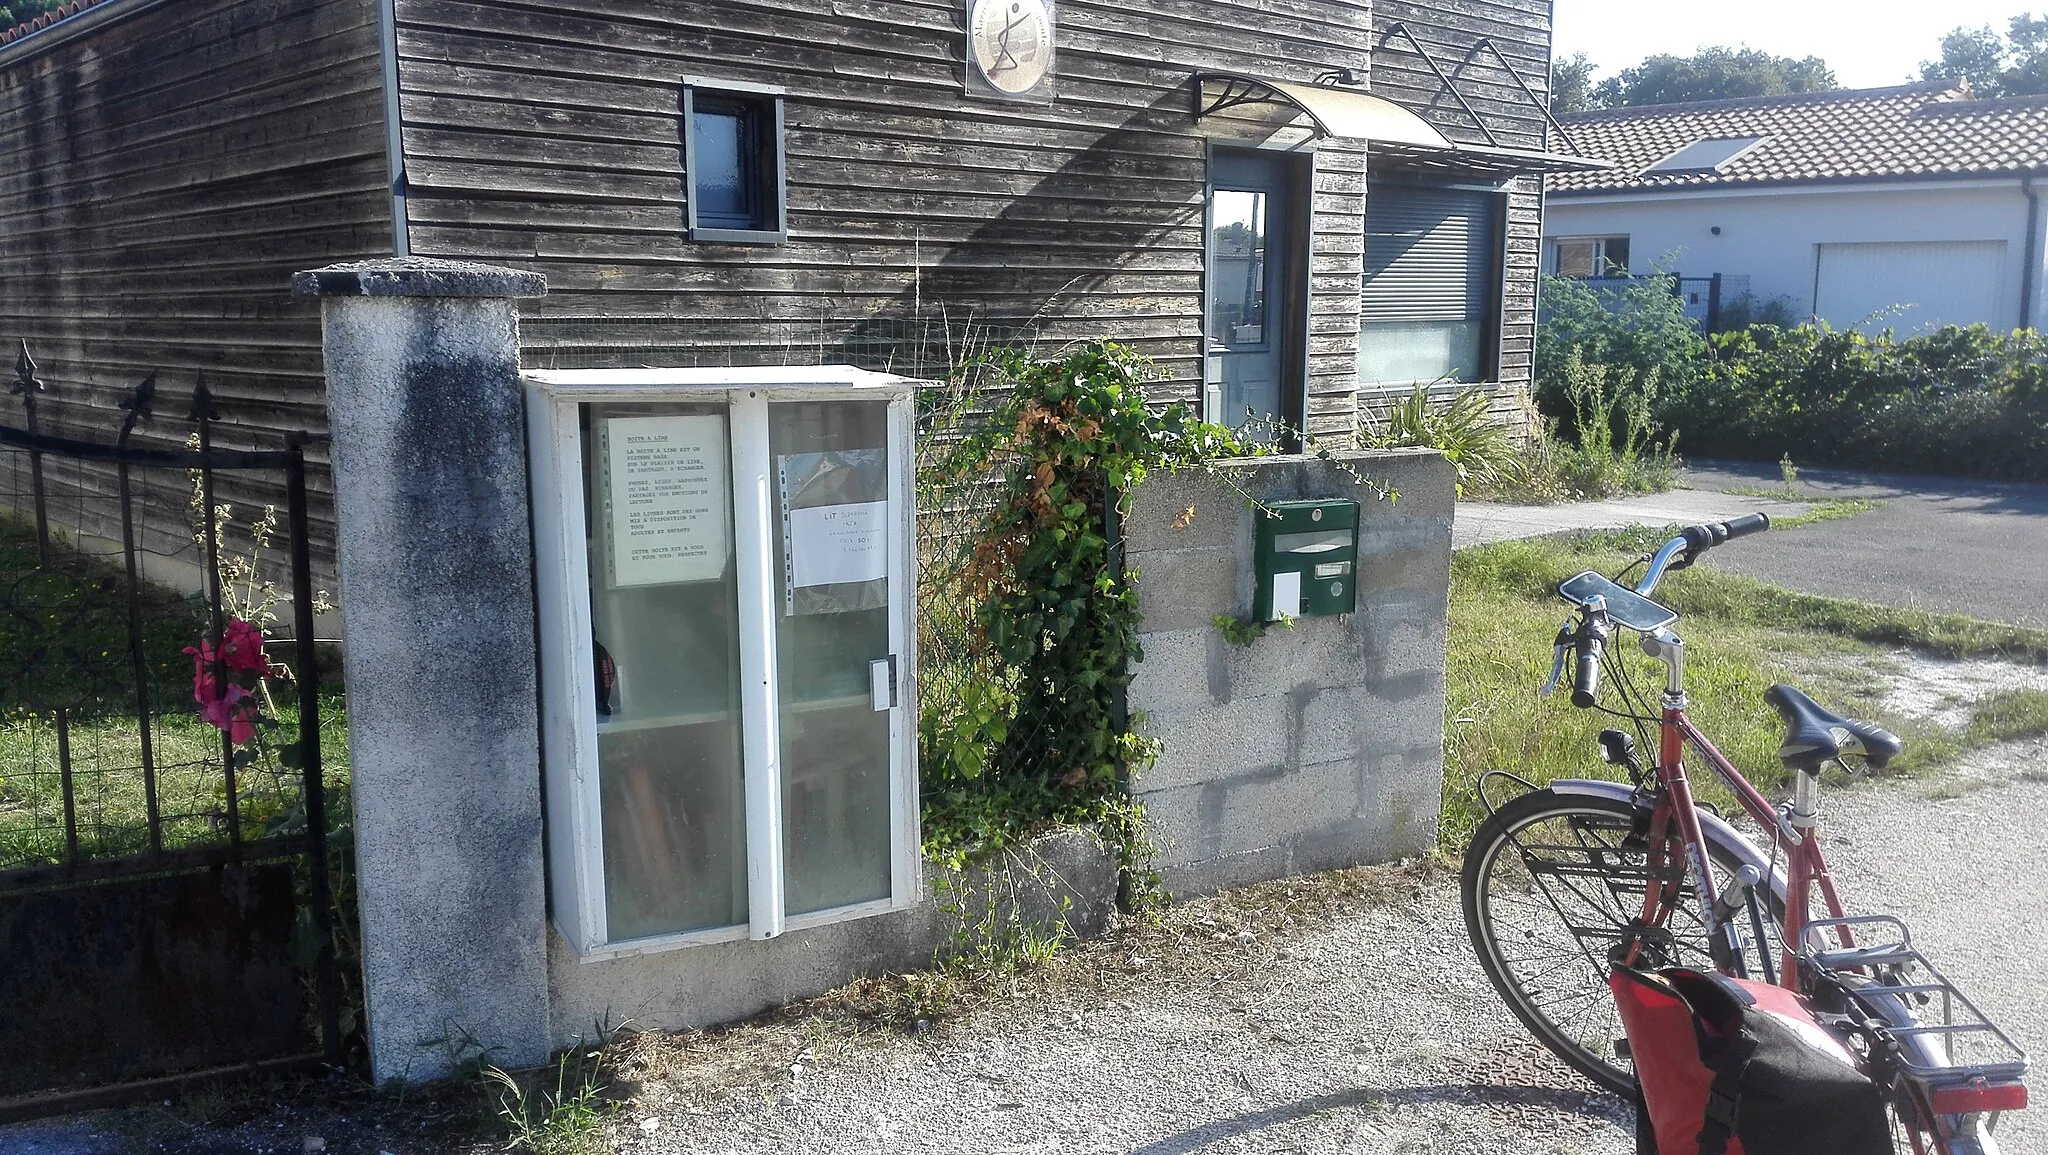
x=1009 y=46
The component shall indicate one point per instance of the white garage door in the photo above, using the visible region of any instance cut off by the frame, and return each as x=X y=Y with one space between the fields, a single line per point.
x=1912 y=286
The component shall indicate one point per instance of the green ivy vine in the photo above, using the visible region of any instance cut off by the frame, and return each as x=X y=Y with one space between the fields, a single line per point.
x=1035 y=736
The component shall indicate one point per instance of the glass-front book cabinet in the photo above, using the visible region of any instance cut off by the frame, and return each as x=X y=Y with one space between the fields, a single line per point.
x=725 y=569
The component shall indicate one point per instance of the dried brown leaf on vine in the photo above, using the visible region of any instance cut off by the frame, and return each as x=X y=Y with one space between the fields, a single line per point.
x=1186 y=518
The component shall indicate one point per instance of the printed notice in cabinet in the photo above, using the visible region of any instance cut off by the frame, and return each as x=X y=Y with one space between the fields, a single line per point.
x=665 y=486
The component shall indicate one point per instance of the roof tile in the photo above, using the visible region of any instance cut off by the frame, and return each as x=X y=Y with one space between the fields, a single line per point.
x=1852 y=134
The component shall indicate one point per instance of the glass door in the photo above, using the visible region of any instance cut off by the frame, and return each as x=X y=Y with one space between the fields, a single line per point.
x=1254 y=329
x=664 y=674
x=835 y=661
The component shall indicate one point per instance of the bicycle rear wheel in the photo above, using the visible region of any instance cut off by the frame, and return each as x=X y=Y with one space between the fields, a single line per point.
x=1549 y=887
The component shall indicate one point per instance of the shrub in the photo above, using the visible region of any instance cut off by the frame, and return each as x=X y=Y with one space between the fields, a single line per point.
x=1968 y=400
x=1750 y=309
x=1463 y=429
x=1616 y=451
x=1639 y=326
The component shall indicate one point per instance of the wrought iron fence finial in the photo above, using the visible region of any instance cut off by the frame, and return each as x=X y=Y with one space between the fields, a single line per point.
x=140 y=407
x=25 y=382
x=203 y=409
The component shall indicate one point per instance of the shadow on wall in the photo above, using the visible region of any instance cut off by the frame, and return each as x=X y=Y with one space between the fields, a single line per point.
x=1107 y=244
x=1085 y=253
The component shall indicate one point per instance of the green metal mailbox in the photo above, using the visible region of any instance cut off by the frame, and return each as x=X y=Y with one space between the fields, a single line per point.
x=1307 y=559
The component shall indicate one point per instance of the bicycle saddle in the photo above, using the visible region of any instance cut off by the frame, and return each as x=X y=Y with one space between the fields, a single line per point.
x=1814 y=736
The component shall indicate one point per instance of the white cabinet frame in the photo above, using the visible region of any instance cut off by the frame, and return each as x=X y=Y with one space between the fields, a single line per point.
x=575 y=834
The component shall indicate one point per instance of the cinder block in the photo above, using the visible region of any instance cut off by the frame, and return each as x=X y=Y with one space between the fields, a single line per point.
x=1315 y=652
x=1205 y=743
x=1178 y=589
x=1182 y=669
x=1154 y=518
x=1253 y=811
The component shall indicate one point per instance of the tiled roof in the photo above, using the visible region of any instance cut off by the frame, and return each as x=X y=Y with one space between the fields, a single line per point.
x=1917 y=130
x=27 y=27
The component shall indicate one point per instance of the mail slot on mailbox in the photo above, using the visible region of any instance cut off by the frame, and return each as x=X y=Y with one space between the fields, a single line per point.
x=1307 y=559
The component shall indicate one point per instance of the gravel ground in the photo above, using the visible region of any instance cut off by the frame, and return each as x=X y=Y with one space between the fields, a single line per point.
x=1338 y=1014
x=1377 y=1035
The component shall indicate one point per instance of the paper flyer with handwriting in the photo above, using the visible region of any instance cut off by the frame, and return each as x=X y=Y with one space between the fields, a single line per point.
x=835 y=530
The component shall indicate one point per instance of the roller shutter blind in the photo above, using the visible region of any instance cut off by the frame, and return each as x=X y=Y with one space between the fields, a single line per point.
x=1432 y=272
x=1428 y=253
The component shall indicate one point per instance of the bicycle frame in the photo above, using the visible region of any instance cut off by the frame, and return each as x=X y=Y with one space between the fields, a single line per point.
x=1806 y=866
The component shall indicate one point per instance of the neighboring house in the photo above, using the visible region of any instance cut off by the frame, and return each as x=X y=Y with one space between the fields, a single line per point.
x=1909 y=207
x=788 y=181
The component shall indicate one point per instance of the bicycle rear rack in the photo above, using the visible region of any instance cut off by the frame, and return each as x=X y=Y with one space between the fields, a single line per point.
x=1942 y=1036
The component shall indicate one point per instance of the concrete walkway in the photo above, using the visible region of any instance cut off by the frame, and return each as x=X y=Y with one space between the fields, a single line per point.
x=1480 y=522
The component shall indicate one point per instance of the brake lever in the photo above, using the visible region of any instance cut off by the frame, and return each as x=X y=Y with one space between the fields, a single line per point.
x=1567 y=636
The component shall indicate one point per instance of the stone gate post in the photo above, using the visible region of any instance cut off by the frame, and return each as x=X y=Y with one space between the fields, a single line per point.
x=437 y=595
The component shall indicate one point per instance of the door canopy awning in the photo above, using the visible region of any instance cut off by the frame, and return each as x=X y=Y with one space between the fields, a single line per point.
x=1390 y=130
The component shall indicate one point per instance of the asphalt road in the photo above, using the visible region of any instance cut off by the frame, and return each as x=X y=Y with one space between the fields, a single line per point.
x=1970 y=547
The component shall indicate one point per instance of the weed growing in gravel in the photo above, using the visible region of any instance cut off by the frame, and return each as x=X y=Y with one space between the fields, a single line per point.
x=567 y=1119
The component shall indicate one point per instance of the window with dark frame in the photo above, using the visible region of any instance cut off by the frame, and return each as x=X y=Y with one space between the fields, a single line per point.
x=732 y=146
x=1430 y=309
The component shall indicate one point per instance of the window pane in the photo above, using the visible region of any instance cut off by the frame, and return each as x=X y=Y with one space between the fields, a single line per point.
x=1421 y=351
x=1575 y=258
x=1237 y=235
x=663 y=610
x=1614 y=257
x=832 y=469
x=723 y=181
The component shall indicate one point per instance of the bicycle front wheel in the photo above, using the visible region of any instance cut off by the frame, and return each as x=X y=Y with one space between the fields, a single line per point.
x=1550 y=886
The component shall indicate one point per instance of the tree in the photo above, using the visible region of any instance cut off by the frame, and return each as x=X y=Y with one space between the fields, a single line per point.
x=2014 y=64
x=1713 y=74
x=1571 y=84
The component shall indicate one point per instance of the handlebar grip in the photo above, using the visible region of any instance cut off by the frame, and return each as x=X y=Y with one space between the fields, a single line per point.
x=1746 y=525
x=1592 y=644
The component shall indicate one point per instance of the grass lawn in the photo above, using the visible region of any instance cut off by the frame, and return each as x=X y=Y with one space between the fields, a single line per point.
x=64 y=642
x=1741 y=636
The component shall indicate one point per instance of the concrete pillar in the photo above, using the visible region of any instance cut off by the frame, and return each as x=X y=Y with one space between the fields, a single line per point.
x=436 y=558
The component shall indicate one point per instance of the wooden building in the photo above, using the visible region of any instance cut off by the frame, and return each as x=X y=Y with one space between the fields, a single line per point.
x=1348 y=190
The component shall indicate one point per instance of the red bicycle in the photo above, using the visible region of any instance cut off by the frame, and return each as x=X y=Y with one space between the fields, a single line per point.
x=1564 y=880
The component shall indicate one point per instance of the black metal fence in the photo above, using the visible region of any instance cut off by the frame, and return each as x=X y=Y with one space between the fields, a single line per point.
x=165 y=905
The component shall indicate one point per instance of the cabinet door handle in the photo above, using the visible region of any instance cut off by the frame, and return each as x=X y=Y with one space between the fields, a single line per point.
x=882 y=682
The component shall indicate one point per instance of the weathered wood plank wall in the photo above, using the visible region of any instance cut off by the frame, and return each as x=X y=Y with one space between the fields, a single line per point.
x=546 y=135
x=1451 y=30
x=161 y=178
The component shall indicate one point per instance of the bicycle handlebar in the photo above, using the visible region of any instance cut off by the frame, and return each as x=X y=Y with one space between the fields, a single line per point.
x=1683 y=550
x=1588 y=641
x=1592 y=645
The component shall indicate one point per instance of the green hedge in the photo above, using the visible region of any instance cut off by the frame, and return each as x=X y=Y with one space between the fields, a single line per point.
x=1960 y=400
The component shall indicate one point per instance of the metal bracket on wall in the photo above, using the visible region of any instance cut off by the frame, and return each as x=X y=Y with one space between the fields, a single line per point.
x=1400 y=29
x=1522 y=82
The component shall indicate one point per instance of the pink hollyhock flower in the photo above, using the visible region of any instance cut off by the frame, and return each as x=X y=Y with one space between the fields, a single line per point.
x=234 y=712
x=241 y=648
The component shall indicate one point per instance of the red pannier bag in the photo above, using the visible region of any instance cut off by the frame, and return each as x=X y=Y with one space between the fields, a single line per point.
x=1730 y=1067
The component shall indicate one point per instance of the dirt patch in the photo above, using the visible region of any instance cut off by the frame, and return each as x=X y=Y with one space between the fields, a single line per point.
x=1944 y=691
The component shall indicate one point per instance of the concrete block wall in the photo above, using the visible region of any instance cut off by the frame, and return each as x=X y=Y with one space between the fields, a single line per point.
x=1311 y=748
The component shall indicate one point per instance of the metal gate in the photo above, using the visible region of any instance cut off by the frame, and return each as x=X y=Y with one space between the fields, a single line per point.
x=165 y=907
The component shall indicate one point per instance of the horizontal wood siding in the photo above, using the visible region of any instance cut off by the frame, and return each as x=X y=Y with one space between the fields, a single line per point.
x=1449 y=30
x=545 y=135
x=161 y=178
